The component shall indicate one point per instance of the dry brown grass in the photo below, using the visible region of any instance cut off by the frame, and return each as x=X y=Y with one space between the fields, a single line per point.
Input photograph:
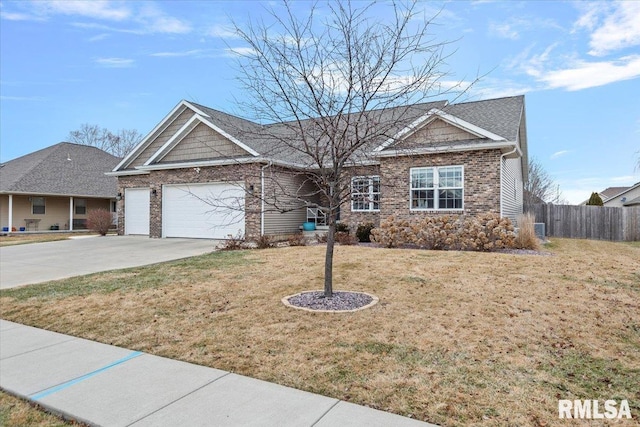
x=458 y=338
x=526 y=238
x=16 y=412
x=21 y=239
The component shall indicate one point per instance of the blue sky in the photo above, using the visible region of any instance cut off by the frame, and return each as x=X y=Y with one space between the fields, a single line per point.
x=127 y=64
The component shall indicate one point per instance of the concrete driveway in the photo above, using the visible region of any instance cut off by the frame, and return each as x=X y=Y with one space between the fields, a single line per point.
x=40 y=262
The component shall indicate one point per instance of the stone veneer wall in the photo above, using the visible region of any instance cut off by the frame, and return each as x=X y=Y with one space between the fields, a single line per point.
x=246 y=174
x=481 y=182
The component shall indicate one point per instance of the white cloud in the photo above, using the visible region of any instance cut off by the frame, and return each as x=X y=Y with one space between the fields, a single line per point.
x=99 y=37
x=97 y=9
x=17 y=16
x=222 y=31
x=141 y=17
x=620 y=29
x=239 y=51
x=583 y=74
x=504 y=30
x=559 y=154
x=115 y=62
x=156 y=21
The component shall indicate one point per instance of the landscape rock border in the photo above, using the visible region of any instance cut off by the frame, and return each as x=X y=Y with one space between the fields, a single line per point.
x=374 y=301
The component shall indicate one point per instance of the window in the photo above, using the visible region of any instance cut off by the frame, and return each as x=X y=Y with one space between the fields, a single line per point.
x=81 y=206
x=37 y=206
x=365 y=193
x=437 y=188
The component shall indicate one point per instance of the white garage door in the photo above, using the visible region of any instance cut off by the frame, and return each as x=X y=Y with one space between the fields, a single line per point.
x=208 y=211
x=136 y=211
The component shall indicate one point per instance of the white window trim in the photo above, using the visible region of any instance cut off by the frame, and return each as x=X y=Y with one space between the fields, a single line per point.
x=436 y=187
x=370 y=178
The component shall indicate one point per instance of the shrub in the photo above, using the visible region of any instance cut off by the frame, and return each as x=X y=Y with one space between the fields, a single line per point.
x=233 y=243
x=363 y=232
x=321 y=237
x=342 y=228
x=526 y=237
x=297 y=240
x=265 y=242
x=595 y=200
x=99 y=220
x=345 y=238
x=484 y=232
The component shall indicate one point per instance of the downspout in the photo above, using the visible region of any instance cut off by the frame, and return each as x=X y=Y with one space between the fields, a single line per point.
x=262 y=196
x=515 y=150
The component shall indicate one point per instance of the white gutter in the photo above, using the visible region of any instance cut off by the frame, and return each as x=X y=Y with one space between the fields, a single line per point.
x=127 y=172
x=445 y=149
x=262 y=197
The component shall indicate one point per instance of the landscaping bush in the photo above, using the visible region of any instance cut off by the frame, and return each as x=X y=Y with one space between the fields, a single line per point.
x=321 y=237
x=99 y=220
x=486 y=232
x=345 y=238
x=526 y=237
x=363 y=232
x=233 y=243
x=297 y=240
x=342 y=228
x=265 y=242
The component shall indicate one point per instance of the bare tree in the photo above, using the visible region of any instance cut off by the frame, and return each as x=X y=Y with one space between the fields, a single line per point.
x=119 y=144
x=336 y=87
x=540 y=187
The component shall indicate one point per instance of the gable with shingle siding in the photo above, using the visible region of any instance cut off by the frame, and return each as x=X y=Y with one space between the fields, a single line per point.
x=435 y=132
x=161 y=139
x=203 y=143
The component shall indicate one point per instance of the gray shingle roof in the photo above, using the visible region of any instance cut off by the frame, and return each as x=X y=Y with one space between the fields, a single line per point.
x=500 y=116
x=65 y=169
x=609 y=192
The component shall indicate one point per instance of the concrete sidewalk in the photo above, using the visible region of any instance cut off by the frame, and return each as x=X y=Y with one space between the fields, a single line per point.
x=104 y=385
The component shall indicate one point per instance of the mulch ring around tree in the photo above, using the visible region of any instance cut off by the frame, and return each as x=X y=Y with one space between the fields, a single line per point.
x=340 y=302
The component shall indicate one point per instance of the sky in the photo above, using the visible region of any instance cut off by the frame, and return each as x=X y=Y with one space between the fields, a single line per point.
x=125 y=65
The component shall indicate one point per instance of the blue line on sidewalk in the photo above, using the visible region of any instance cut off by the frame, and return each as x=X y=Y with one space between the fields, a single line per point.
x=62 y=386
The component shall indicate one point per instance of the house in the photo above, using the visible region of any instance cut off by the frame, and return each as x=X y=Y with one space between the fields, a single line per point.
x=204 y=173
x=54 y=188
x=621 y=196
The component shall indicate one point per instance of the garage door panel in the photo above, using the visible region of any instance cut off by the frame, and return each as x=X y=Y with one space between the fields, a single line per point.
x=136 y=211
x=211 y=211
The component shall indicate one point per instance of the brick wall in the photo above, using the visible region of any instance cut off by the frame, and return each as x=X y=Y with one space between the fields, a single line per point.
x=245 y=174
x=351 y=218
x=481 y=181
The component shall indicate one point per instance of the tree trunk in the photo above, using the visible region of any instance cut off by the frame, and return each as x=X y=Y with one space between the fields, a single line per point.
x=328 y=259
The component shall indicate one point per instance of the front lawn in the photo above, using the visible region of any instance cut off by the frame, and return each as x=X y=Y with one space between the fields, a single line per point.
x=457 y=338
x=21 y=239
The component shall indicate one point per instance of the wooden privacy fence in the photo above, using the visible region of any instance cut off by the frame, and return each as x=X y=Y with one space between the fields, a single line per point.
x=589 y=222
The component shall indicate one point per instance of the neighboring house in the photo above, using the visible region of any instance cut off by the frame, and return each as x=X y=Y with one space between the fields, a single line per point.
x=185 y=175
x=55 y=188
x=621 y=196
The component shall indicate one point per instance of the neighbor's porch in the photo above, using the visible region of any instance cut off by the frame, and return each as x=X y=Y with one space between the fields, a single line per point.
x=28 y=213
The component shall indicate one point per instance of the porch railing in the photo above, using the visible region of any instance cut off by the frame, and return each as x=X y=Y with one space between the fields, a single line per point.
x=316 y=215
